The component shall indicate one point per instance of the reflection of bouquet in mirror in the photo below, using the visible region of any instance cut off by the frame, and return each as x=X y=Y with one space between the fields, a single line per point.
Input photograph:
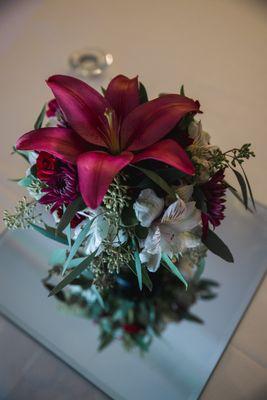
x=127 y=314
x=136 y=189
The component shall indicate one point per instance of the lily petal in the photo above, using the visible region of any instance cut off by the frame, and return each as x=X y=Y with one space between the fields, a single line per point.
x=63 y=143
x=82 y=106
x=169 y=152
x=96 y=171
x=151 y=121
x=123 y=95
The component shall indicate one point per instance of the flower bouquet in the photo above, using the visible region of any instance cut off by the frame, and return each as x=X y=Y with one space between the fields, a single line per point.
x=136 y=191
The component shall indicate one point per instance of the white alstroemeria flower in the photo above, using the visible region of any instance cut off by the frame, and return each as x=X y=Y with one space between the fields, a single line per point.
x=201 y=149
x=195 y=131
x=172 y=234
x=148 y=207
x=98 y=232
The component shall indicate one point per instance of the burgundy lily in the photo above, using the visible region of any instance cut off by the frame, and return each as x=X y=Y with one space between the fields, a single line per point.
x=106 y=133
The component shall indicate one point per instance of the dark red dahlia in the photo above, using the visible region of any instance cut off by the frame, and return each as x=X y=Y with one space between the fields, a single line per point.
x=61 y=181
x=46 y=165
x=214 y=191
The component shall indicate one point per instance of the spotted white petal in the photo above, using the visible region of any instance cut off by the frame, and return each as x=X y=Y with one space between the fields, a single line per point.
x=148 y=207
x=174 y=212
x=190 y=219
x=170 y=241
x=152 y=242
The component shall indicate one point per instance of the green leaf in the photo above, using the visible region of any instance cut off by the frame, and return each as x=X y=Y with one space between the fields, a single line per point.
x=236 y=194
x=58 y=257
x=205 y=283
x=34 y=170
x=243 y=186
x=138 y=265
x=142 y=93
x=50 y=233
x=73 y=274
x=72 y=209
x=39 y=122
x=105 y=341
x=158 y=180
x=80 y=238
x=249 y=187
x=145 y=277
x=23 y=153
x=174 y=269
x=26 y=181
x=217 y=246
x=208 y=296
x=192 y=317
x=182 y=91
x=98 y=296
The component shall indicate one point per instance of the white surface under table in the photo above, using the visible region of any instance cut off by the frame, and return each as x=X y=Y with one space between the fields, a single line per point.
x=218 y=50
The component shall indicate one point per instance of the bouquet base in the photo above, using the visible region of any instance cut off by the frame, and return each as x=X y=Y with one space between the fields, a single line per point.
x=179 y=363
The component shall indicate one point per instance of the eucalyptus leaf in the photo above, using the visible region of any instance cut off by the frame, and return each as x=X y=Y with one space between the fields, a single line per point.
x=217 y=246
x=174 y=269
x=26 y=181
x=73 y=274
x=158 y=180
x=98 y=296
x=138 y=265
x=237 y=195
x=39 y=122
x=145 y=276
x=208 y=296
x=105 y=341
x=58 y=257
x=243 y=186
x=68 y=233
x=192 y=317
x=80 y=238
x=204 y=283
x=70 y=212
x=50 y=233
x=249 y=187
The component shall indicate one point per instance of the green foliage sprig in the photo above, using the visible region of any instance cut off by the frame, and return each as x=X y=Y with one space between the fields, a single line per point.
x=231 y=158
